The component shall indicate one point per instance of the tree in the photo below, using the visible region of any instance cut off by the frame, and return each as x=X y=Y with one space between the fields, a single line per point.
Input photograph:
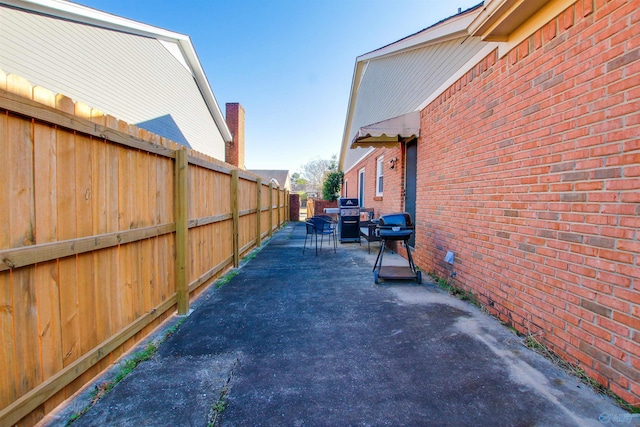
x=332 y=185
x=298 y=183
x=315 y=171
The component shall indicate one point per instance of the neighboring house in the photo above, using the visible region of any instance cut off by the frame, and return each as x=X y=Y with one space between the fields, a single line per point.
x=280 y=178
x=515 y=144
x=141 y=74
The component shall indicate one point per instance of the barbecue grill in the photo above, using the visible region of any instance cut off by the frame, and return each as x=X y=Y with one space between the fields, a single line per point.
x=395 y=227
x=349 y=220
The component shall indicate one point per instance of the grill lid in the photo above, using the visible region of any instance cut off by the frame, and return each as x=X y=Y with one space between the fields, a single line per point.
x=400 y=219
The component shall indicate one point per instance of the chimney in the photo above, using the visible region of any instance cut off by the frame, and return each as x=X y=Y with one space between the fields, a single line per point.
x=234 y=150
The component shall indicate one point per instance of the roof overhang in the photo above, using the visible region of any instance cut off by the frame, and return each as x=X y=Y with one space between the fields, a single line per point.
x=388 y=133
x=450 y=28
x=500 y=18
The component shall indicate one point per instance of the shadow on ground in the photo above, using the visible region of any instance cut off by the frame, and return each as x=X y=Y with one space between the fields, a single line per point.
x=305 y=340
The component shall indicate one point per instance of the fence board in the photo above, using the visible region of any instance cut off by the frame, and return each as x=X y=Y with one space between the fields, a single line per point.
x=27 y=255
x=47 y=280
x=85 y=261
x=21 y=233
x=66 y=229
x=124 y=288
x=89 y=240
x=8 y=366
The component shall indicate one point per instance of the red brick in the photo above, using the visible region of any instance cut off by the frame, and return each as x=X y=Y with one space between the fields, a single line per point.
x=616 y=280
x=627 y=345
x=614 y=303
x=632 y=322
x=630 y=246
x=614 y=327
x=596 y=331
x=612 y=350
x=616 y=256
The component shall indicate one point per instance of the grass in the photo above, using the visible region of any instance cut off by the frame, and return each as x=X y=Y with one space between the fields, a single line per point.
x=531 y=342
x=457 y=292
x=219 y=407
x=221 y=404
x=226 y=278
x=126 y=367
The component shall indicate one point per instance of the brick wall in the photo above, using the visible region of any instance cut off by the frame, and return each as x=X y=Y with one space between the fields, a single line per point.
x=317 y=206
x=533 y=181
x=234 y=150
x=294 y=207
x=392 y=199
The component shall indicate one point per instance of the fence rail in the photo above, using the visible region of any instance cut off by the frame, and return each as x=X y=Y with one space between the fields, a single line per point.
x=106 y=230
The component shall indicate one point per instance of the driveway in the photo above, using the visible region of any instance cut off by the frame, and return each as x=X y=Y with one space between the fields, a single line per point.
x=303 y=340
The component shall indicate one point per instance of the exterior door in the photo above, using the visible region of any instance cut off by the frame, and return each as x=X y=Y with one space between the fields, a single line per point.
x=411 y=168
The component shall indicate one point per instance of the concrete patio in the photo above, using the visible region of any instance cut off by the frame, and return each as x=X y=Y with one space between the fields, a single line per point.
x=306 y=340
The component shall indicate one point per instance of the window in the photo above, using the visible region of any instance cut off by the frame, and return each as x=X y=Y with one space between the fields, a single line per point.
x=361 y=187
x=346 y=188
x=379 y=175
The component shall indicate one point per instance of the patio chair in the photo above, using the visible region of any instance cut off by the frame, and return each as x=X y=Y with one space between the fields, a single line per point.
x=320 y=226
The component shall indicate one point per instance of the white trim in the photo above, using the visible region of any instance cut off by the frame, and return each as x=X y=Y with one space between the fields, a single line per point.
x=76 y=12
x=379 y=174
x=486 y=50
x=538 y=20
x=357 y=163
x=362 y=184
x=452 y=28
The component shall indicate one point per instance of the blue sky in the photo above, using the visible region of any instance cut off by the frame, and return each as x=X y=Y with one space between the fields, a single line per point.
x=288 y=62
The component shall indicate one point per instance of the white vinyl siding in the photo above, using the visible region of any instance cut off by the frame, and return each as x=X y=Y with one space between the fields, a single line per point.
x=131 y=77
x=398 y=83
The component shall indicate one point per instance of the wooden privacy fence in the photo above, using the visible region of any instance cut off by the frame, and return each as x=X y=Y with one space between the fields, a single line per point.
x=105 y=230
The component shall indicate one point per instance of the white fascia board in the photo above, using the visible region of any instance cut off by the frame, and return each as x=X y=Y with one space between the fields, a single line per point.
x=76 y=12
x=355 y=85
x=452 y=28
x=169 y=39
x=205 y=89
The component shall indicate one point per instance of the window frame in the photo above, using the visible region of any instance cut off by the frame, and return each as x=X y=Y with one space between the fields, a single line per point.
x=361 y=186
x=379 y=176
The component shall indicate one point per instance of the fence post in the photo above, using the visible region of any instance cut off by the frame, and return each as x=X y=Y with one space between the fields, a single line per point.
x=270 y=209
x=279 y=208
x=181 y=213
x=259 y=217
x=287 y=205
x=236 y=217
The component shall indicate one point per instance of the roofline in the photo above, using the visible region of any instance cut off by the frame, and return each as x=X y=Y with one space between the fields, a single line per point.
x=449 y=28
x=453 y=27
x=86 y=15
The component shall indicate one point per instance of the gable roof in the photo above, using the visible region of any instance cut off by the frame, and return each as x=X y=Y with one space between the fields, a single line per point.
x=136 y=72
x=401 y=77
x=281 y=176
